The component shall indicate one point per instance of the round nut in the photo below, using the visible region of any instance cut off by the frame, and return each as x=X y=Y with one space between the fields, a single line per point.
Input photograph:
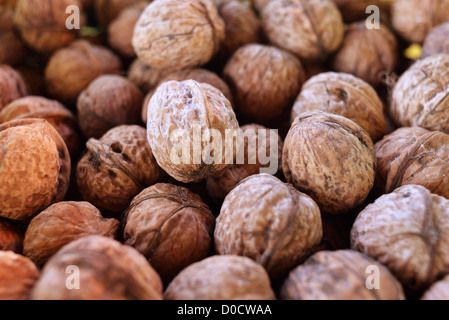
x=437 y=41
x=12 y=49
x=11 y=238
x=107 y=10
x=12 y=86
x=221 y=278
x=438 y=291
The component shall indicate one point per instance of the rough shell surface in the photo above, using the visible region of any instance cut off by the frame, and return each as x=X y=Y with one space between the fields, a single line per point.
x=12 y=86
x=438 y=291
x=11 y=238
x=437 y=41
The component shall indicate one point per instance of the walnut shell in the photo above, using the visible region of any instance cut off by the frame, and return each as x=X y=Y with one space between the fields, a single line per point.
x=221 y=278
x=407 y=231
x=116 y=168
x=421 y=96
x=70 y=70
x=309 y=29
x=145 y=77
x=174 y=34
x=437 y=41
x=11 y=238
x=18 y=274
x=438 y=291
x=170 y=226
x=339 y=275
x=43 y=27
x=34 y=168
x=369 y=54
x=12 y=86
x=180 y=111
x=330 y=158
x=107 y=10
x=62 y=223
x=108 y=270
x=413 y=156
x=264 y=81
x=269 y=221
x=346 y=96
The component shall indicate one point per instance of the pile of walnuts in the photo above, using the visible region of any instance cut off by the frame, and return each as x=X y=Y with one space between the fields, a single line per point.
x=313 y=162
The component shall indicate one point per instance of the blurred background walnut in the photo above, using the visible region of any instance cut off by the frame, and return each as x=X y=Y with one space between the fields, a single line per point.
x=355 y=10
x=144 y=76
x=12 y=85
x=438 y=291
x=12 y=49
x=11 y=237
x=107 y=10
x=437 y=41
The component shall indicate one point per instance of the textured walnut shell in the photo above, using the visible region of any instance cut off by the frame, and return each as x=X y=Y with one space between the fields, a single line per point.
x=170 y=226
x=116 y=168
x=264 y=81
x=339 y=275
x=438 y=291
x=221 y=278
x=309 y=29
x=108 y=270
x=176 y=34
x=11 y=238
x=84 y=62
x=189 y=106
x=346 y=96
x=43 y=27
x=413 y=19
x=62 y=223
x=407 y=231
x=354 y=10
x=109 y=101
x=52 y=111
x=330 y=158
x=12 y=86
x=144 y=76
x=413 y=156
x=34 y=168
x=18 y=274
x=421 y=96
x=369 y=54
x=269 y=221
x=436 y=42
x=107 y=10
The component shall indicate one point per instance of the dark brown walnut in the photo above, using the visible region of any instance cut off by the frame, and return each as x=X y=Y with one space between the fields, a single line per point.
x=109 y=101
x=43 y=27
x=107 y=10
x=355 y=10
x=413 y=156
x=34 y=168
x=176 y=34
x=413 y=19
x=264 y=81
x=340 y=275
x=18 y=275
x=221 y=278
x=250 y=163
x=12 y=86
x=11 y=238
x=62 y=223
x=270 y=222
x=116 y=168
x=330 y=158
x=107 y=269
x=185 y=121
x=170 y=226
x=407 y=231
x=421 y=96
x=437 y=41
x=12 y=49
x=310 y=29
x=70 y=70
x=145 y=77
x=369 y=54
x=345 y=95
x=55 y=113
x=438 y=291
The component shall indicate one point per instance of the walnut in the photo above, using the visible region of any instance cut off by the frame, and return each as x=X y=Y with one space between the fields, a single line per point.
x=438 y=291
x=413 y=19
x=406 y=231
x=413 y=156
x=330 y=158
x=170 y=226
x=55 y=113
x=62 y=223
x=107 y=269
x=43 y=27
x=421 y=96
x=116 y=168
x=70 y=70
x=18 y=274
x=355 y=10
x=34 y=168
x=340 y=275
x=221 y=278
x=11 y=237
x=109 y=101
x=12 y=49
x=369 y=54
x=437 y=41
x=175 y=34
x=107 y=10
x=264 y=80
x=145 y=77
x=344 y=95
x=269 y=221
x=181 y=112
x=309 y=29
x=12 y=86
